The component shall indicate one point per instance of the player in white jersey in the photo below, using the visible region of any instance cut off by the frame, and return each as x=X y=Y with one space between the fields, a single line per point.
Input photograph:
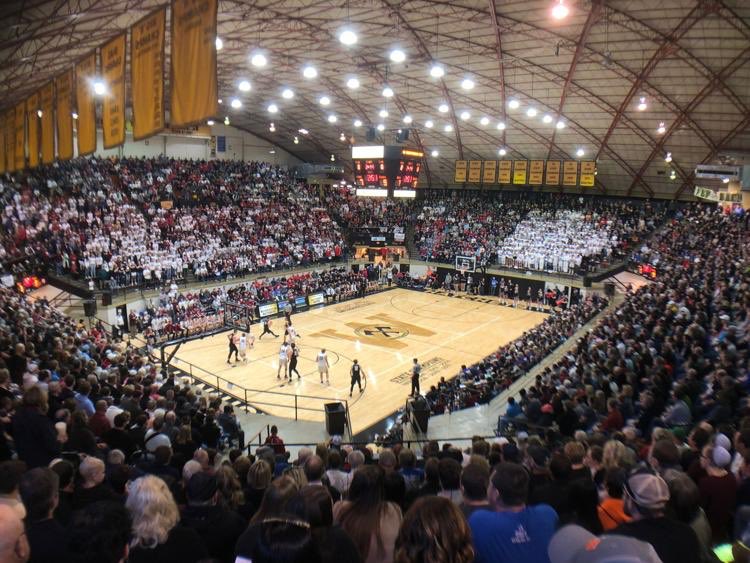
x=243 y=347
x=322 y=361
x=291 y=332
x=283 y=360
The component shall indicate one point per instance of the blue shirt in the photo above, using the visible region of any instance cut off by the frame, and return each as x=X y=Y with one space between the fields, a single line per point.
x=524 y=536
x=84 y=403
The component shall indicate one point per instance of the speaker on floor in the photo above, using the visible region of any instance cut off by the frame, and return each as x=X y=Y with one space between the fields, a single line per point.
x=335 y=418
x=89 y=308
x=586 y=281
x=370 y=134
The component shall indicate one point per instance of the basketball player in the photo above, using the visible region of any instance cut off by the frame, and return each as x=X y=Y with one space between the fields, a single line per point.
x=322 y=361
x=416 y=369
x=291 y=332
x=232 y=347
x=267 y=328
x=243 y=347
x=293 y=358
x=356 y=373
x=283 y=359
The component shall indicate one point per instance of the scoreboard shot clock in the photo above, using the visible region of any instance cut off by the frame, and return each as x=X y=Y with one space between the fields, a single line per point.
x=383 y=171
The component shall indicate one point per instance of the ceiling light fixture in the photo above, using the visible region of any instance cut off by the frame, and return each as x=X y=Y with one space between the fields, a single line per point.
x=272 y=127
x=324 y=101
x=407 y=119
x=387 y=92
x=661 y=129
x=244 y=86
x=342 y=137
x=560 y=125
x=99 y=88
x=531 y=112
x=485 y=121
x=443 y=108
x=429 y=124
x=258 y=60
x=642 y=105
x=435 y=153
x=226 y=120
x=348 y=37
x=467 y=84
x=668 y=157
x=273 y=108
x=383 y=113
x=219 y=44
x=210 y=122
x=75 y=115
x=332 y=119
x=39 y=113
x=397 y=56
x=437 y=71
x=514 y=104
x=303 y=131
x=358 y=123
x=501 y=126
x=296 y=140
x=448 y=128
x=560 y=10
x=287 y=94
x=309 y=72
x=580 y=152
x=381 y=127
x=547 y=118
x=236 y=103
x=352 y=83
x=333 y=158
x=502 y=152
x=725 y=180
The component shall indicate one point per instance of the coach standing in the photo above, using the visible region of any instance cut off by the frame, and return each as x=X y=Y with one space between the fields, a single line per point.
x=416 y=369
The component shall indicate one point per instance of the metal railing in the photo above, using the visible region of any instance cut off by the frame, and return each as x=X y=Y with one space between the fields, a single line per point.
x=259 y=436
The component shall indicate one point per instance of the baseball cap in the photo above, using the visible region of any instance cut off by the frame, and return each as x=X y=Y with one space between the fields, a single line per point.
x=647 y=490
x=201 y=487
x=574 y=544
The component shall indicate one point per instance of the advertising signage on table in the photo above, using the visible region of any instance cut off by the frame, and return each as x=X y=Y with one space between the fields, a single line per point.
x=268 y=309
x=300 y=303
x=315 y=299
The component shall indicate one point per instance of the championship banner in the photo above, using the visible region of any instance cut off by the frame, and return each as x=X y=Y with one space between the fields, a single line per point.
x=86 y=105
x=64 y=115
x=19 y=131
x=570 y=173
x=47 y=105
x=32 y=131
x=553 y=173
x=459 y=176
x=147 y=74
x=3 y=168
x=193 y=83
x=113 y=109
x=490 y=169
x=705 y=193
x=475 y=171
x=520 y=167
x=10 y=141
x=588 y=173
x=726 y=197
x=536 y=172
x=504 y=171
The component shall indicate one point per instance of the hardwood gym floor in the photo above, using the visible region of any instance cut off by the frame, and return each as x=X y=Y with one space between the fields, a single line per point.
x=383 y=331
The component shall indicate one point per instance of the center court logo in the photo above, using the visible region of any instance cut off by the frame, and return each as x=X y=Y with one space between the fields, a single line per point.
x=381 y=331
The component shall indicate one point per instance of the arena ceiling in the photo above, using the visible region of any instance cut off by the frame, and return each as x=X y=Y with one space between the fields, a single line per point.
x=686 y=60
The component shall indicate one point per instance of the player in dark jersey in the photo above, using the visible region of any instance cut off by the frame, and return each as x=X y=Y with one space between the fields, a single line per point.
x=293 y=358
x=233 y=347
x=267 y=329
x=356 y=373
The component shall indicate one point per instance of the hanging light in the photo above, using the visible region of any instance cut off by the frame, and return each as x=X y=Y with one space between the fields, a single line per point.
x=303 y=131
x=258 y=60
x=560 y=125
x=467 y=84
x=348 y=37
x=642 y=105
x=437 y=70
x=236 y=103
x=443 y=108
x=352 y=83
x=75 y=115
x=514 y=104
x=407 y=119
x=296 y=140
x=502 y=152
x=332 y=119
x=668 y=157
x=219 y=44
x=99 y=88
x=465 y=115
x=324 y=101
x=287 y=94
x=226 y=120
x=381 y=127
x=358 y=123
x=485 y=121
x=387 y=92
x=309 y=72
x=435 y=153
x=39 y=113
x=342 y=137
x=383 y=113
x=725 y=180
x=210 y=122
x=397 y=56
x=244 y=86
x=272 y=127
x=673 y=175
x=580 y=152
x=531 y=112
x=501 y=126
x=661 y=129
x=560 y=10
x=547 y=118
x=333 y=158
x=273 y=108
x=448 y=128
x=429 y=124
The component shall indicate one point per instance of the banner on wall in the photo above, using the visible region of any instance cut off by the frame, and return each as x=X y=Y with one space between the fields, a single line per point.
x=588 y=173
x=64 y=115
x=520 y=167
x=552 y=178
x=193 y=82
x=86 y=104
x=490 y=170
x=536 y=172
x=459 y=176
x=47 y=104
x=32 y=129
x=504 y=174
x=570 y=173
x=475 y=171
x=147 y=74
x=19 y=131
x=113 y=108
x=10 y=141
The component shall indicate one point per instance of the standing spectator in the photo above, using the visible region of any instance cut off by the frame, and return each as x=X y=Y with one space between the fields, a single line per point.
x=718 y=491
x=10 y=478
x=413 y=475
x=434 y=531
x=93 y=487
x=612 y=508
x=99 y=534
x=99 y=423
x=47 y=537
x=371 y=522
x=338 y=478
x=512 y=531
x=156 y=536
x=475 y=478
x=14 y=545
x=33 y=432
x=275 y=441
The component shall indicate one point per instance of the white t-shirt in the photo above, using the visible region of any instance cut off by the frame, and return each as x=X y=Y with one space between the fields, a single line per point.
x=322 y=361
x=283 y=353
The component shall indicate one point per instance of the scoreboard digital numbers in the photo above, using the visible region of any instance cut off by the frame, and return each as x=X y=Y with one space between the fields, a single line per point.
x=380 y=169
x=408 y=174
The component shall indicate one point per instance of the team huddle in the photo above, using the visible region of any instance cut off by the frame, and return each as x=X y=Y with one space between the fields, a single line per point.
x=288 y=355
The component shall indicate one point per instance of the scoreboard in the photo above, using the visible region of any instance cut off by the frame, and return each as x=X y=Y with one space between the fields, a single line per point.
x=386 y=170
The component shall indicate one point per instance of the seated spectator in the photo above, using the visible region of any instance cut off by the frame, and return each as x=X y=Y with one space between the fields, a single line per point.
x=275 y=441
x=512 y=531
x=331 y=542
x=612 y=507
x=314 y=472
x=336 y=477
x=434 y=530
x=48 y=539
x=156 y=535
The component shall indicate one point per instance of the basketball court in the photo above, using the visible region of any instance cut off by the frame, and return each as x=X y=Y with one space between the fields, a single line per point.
x=384 y=331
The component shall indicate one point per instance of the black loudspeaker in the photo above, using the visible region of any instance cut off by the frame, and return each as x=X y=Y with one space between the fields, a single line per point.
x=335 y=418
x=609 y=289
x=421 y=417
x=106 y=299
x=586 y=281
x=403 y=136
x=89 y=308
x=370 y=134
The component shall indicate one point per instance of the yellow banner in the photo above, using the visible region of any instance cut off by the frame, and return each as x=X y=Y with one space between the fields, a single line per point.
x=552 y=177
x=520 y=167
x=570 y=173
x=47 y=105
x=19 y=126
x=459 y=176
x=3 y=168
x=504 y=173
x=490 y=170
x=32 y=131
x=86 y=104
x=475 y=171
x=536 y=172
x=147 y=74
x=64 y=115
x=588 y=173
x=193 y=84
x=10 y=141
x=113 y=109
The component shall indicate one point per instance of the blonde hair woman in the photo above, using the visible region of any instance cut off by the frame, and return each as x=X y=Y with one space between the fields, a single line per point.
x=157 y=535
